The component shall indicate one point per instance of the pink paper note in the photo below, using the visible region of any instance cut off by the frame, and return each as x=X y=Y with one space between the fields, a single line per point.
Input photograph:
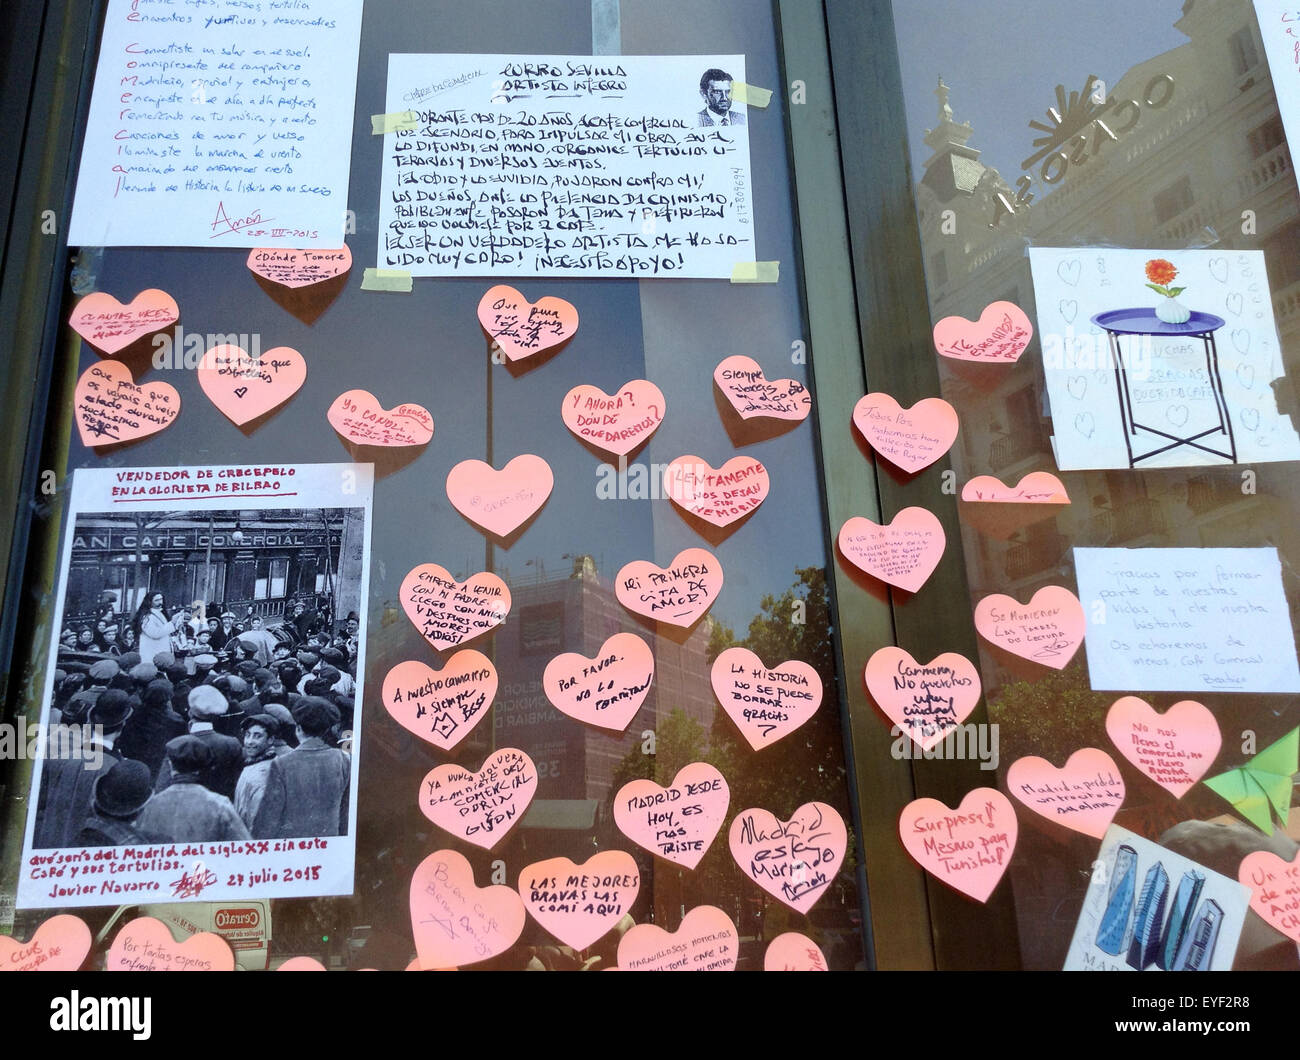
x=448 y=612
x=480 y=807
x=245 y=387
x=678 y=594
x=579 y=904
x=903 y=553
x=1038 y=487
x=793 y=952
x=60 y=944
x=614 y=423
x=110 y=327
x=146 y=945
x=998 y=337
x=1274 y=890
x=968 y=848
x=1047 y=630
x=110 y=407
x=441 y=706
x=456 y=923
x=358 y=417
x=606 y=690
x=706 y=941
x=911 y=438
x=500 y=501
x=794 y=860
x=302 y=964
x=767 y=703
x=717 y=495
x=1084 y=794
x=299 y=268
x=523 y=328
x=677 y=823
x=925 y=702
x=1175 y=749
x=754 y=396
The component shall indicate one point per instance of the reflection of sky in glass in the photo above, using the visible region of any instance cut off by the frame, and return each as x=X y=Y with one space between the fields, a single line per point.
x=1004 y=58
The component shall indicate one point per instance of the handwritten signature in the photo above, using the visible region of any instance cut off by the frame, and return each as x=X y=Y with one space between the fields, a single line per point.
x=190 y=885
x=223 y=224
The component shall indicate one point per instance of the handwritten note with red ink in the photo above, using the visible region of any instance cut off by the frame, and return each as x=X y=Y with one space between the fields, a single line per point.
x=1084 y=794
x=926 y=702
x=911 y=438
x=251 y=144
x=794 y=860
x=110 y=407
x=146 y=945
x=358 y=416
x=1000 y=335
x=614 y=423
x=60 y=944
x=455 y=922
x=968 y=848
x=448 y=612
x=720 y=496
x=523 y=328
x=579 y=904
x=1274 y=890
x=677 y=823
x=767 y=703
x=1047 y=630
x=1038 y=487
x=606 y=690
x=500 y=502
x=706 y=941
x=903 y=553
x=754 y=396
x=678 y=594
x=1175 y=749
x=299 y=268
x=441 y=706
x=480 y=807
x=109 y=326
x=793 y=951
x=244 y=387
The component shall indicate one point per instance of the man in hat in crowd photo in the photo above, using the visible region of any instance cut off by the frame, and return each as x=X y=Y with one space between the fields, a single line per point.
x=99 y=674
x=307 y=789
x=226 y=757
x=187 y=810
x=259 y=753
x=119 y=796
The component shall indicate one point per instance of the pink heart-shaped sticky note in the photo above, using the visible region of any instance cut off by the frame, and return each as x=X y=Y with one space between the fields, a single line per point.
x=579 y=904
x=677 y=823
x=606 y=690
x=1274 y=890
x=1047 y=630
x=60 y=944
x=968 y=848
x=793 y=952
x=146 y=945
x=925 y=702
x=706 y=941
x=441 y=706
x=448 y=612
x=998 y=337
x=903 y=553
x=480 y=807
x=717 y=495
x=794 y=860
x=245 y=387
x=1084 y=794
x=302 y=964
x=614 y=423
x=358 y=417
x=523 y=328
x=767 y=703
x=109 y=326
x=911 y=438
x=1175 y=749
x=500 y=501
x=456 y=923
x=1038 y=487
x=111 y=407
x=678 y=594
x=754 y=396
x=299 y=268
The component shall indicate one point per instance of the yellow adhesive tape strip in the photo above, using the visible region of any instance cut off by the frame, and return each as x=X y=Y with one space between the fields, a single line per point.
x=750 y=95
x=386 y=280
x=756 y=272
x=398 y=121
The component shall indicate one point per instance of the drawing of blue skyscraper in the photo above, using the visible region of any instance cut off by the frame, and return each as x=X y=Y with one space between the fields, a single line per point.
x=1180 y=919
x=1150 y=918
x=1197 y=951
x=1112 y=934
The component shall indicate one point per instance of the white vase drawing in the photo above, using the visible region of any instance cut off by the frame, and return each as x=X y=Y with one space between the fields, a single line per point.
x=1172 y=311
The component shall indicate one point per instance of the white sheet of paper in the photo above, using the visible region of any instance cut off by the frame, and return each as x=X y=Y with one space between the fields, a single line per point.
x=1168 y=380
x=554 y=165
x=1186 y=620
x=1279 y=25
x=1148 y=908
x=221 y=124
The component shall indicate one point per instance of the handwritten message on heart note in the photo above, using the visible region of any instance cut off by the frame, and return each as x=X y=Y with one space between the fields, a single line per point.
x=480 y=807
x=677 y=823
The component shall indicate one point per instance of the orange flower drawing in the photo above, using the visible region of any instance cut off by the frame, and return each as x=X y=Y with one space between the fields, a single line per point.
x=1161 y=271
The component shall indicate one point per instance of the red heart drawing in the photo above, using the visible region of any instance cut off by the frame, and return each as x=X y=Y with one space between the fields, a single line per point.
x=1274 y=890
x=500 y=501
x=1084 y=794
x=441 y=706
x=614 y=423
x=903 y=553
x=456 y=923
x=109 y=326
x=968 y=848
x=448 y=612
x=480 y=807
x=911 y=438
x=706 y=941
x=794 y=860
x=146 y=945
x=1175 y=749
x=1047 y=630
x=925 y=702
x=606 y=690
x=754 y=396
x=677 y=823
x=358 y=416
x=1000 y=335
x=717 y=495
x=523 y=328
x=111 y=407
x=245 y=387
x=679 y=594
x=579 y=904
x=299 y=268
x=60 y=944
x=767 y=703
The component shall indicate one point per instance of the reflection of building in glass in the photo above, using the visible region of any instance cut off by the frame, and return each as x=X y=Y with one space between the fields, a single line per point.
x=1197 y=951
x=1113 y=934
x=1180 y=919
x=1145 y=944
